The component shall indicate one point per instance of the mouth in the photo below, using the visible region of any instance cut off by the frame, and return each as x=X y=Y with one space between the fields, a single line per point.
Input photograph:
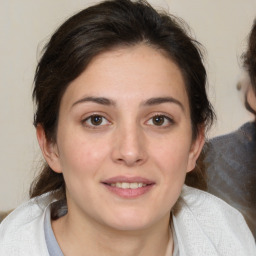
x=131 y=187
x=126 y=185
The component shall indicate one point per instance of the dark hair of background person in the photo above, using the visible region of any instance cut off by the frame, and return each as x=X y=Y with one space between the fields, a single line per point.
x=249 y=58
x=100 y=28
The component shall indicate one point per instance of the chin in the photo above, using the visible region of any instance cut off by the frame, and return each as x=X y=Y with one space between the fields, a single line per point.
x=130 y=226
x=132 y=221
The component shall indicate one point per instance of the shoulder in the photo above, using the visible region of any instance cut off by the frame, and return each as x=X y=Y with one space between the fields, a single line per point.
x=22 y=231
x=199 y=201
x=206 y=223
x=230 y=157
x=221 y=143
x=231 y=153
x=246 y=133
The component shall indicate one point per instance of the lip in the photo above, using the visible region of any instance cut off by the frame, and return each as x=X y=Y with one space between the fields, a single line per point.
x=128 y=179
x=128 y=193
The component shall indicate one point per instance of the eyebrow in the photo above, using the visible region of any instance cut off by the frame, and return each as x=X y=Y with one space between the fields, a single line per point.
x=161 y=100
x=98 y=100
x=149 y=102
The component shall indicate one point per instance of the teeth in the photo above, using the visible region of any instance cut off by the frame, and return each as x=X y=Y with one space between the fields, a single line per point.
x=126 y=185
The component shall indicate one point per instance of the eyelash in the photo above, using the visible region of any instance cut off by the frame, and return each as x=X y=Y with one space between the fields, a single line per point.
x=94 y=126
x=165 y=117
x=107 y=122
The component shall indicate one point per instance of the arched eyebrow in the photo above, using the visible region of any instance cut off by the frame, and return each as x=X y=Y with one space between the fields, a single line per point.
x=98 y=100
x=161 y=100
x=149 y=102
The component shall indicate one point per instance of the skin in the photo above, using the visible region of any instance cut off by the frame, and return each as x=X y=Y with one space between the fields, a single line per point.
x=251 y=97
x=129 y=142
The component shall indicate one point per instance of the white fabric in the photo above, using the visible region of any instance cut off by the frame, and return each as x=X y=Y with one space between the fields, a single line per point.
x=204 y=226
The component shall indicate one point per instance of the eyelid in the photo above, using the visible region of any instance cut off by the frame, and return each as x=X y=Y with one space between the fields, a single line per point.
x=88 y=116
x=164 y=115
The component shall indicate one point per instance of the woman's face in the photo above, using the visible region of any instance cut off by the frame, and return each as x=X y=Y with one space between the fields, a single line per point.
x=124 y=139
x=251 y=98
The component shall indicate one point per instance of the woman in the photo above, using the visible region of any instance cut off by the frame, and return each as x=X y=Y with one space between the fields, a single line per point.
x=120 y=119
x=231 y=158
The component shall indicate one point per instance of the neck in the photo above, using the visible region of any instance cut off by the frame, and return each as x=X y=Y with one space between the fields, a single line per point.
x=90 y=238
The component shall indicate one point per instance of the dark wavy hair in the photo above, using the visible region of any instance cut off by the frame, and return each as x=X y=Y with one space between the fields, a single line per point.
x=249 y=56
x=98 y=29
x=249 y=61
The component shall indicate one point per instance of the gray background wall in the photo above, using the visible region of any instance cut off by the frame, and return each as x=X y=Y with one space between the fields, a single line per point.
x=220 y=25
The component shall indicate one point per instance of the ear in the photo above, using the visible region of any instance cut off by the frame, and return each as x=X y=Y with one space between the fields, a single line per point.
x=196 y=149
x=49 y=150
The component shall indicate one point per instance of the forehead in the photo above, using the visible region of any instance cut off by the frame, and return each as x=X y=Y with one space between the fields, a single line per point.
x=138 y=72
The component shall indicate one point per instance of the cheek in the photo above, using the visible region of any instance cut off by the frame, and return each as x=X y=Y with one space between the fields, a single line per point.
x=78 y=154
x=81 y=162
x=172 y=156
x=171 y=160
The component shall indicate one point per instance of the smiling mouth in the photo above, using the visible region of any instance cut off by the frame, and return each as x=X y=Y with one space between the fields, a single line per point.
x=126 y=189
x=126 y=185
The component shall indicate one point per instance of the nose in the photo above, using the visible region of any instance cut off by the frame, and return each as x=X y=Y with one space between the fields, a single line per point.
x=129 y=146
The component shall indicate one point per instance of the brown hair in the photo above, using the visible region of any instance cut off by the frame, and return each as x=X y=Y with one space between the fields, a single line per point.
x=98 y=29
x=249 y=56
x=249 y=59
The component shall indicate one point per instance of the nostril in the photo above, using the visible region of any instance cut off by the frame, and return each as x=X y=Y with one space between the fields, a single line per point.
x=129 y=161
x=128 y=152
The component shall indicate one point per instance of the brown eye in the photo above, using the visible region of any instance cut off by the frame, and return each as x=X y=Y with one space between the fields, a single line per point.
x=158 y=120
x=96 y=120
x=162 y=121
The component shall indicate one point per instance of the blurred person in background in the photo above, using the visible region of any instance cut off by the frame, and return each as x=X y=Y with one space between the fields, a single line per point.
x=231 y=158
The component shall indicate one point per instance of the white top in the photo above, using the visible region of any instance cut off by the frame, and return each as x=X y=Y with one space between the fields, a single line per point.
x=55 y=250
x=203 y=225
